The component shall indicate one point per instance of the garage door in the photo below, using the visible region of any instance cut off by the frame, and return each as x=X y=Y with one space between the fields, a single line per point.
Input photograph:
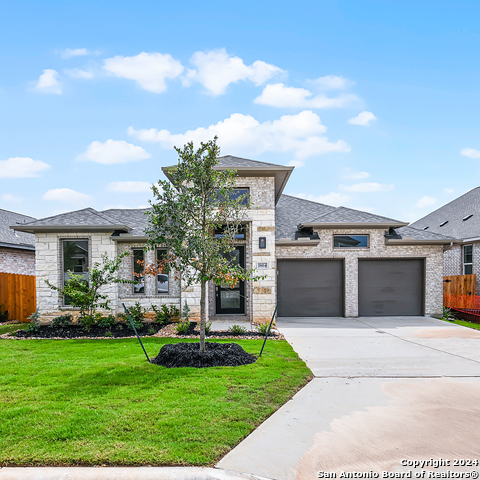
x=390 y=287
x=310 y=288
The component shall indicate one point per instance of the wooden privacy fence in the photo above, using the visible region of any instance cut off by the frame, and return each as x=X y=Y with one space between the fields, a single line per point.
x=17 y=295
x=460 y=285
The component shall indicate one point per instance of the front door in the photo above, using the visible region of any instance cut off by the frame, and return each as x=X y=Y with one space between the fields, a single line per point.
x=232 y=300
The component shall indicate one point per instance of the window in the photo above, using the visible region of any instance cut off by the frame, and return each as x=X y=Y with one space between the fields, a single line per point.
x=350 y=241
x=237 y=193
x=75 y=260
x=468 y=259
x=240 y=234
x=138 y=269
x=162 y=278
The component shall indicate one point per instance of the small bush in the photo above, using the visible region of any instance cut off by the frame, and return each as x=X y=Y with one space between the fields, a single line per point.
x=61 y=321
x=3 y=315
x=165 y=313
x=108 y=334
x=137 y=314
x=107 y=322
x=89 y=321
x=182 y=327
x=262 y=328
x=237 y=330
x=34 y=325
x=151 y=331
x=447 y=314
x=208 y=327
x=186 y=312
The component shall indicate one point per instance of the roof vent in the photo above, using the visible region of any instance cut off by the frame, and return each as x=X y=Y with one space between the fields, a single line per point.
x=425 y=228
x=444 y=223
x=467 y=217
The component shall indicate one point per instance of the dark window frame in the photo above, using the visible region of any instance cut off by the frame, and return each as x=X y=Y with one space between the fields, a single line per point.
x=156 y=278
x=366 y=235
x=467 y=264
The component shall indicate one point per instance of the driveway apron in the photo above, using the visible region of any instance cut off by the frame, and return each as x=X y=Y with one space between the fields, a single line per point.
x=387 y=392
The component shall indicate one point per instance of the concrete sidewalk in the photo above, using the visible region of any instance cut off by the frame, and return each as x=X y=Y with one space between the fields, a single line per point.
x=385 y=389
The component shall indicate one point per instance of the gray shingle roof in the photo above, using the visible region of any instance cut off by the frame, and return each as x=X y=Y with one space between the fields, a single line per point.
x=136 y=219
x=454 y=212
x=349 y=215
x=417 y=234
x=290 y=211
x=238 y=162
x=9 y=236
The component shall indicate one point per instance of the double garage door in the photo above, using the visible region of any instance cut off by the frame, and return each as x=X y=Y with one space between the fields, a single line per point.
x=316 y=288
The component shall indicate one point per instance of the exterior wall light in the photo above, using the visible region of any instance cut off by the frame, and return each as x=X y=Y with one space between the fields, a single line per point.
x=262 y=242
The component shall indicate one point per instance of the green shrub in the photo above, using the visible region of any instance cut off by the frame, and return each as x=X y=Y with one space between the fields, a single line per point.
x=165 y=313
x=61 y=321
x=447 y=314
x=34 y=325
x=151 y=331
x=108 y=334
x=137 y=314
x=3 y=315
x=208 y=327
x=262 y=328
x=182 y=327
x=107 y=322
x=237 y=330
x=89 y=321
x=186 y=312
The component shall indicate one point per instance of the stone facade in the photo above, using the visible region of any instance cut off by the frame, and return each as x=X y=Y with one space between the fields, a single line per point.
x=13 y=260
x=433 y=255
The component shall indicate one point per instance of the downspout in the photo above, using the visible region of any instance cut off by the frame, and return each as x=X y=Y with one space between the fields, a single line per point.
x=448 y=248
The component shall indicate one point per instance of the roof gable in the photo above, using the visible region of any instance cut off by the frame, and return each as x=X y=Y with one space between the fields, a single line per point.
x=9 y=236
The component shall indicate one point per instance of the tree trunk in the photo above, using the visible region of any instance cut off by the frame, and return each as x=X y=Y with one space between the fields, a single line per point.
x=203 y=315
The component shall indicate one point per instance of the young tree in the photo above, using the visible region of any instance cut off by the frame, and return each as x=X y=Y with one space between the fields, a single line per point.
x=185 y=216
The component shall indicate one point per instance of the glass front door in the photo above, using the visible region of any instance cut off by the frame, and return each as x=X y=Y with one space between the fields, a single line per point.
x=232 y=300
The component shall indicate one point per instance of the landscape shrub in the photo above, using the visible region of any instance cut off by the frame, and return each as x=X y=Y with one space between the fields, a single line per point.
x=165 y=313
x=262 y=328
x=237 y=330
x=61 y=321
x=182 y=327
x=3 y=315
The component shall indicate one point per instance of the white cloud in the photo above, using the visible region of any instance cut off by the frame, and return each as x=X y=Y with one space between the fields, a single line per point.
x=79 y=73
x=21 y=167
x=216 y=70
x=449 y=191
x=301 y=134
x=349 y=174
x=113 y=151
x=76 y=52
x=8 y=197
x=278 y=95
x=364 y=118
x=335 y=199
x=296 y=163
x=129 y=187
x=331 y=82
x=470 y=152
x=149 y=70
x=48 y=82
x=67 y=195
x=426 y=202
x=367 y=187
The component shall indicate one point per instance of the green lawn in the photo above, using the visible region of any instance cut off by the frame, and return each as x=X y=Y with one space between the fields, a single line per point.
x=464 y=323
x=68 y=402
x=13 y=327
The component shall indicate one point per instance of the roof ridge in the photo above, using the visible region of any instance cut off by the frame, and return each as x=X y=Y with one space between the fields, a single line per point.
x=250 y=160
x=310 y=201
x=64 y=213
x=326 y=213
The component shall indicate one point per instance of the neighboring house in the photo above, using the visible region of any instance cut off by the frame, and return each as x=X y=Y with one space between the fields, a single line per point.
x=459 y=219
x=318 y=260
x=17 y=249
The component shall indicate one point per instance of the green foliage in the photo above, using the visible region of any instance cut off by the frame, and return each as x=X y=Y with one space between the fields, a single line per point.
x=108 y=334
x=262 y=328
x=34 y=325
x=186 y=311
x=182 y=327
x=198 y=201
x=447 y=314
x=137 y=314
x=107 y=322
x=86 y=295
x=165 y=313
x=3 y=315
x=89 y=321
x=237 y=330
x=61 y=321
x=208 y=327
x=151 y=331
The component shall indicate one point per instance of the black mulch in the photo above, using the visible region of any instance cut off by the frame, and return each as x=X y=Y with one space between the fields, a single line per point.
x=184 y=354
x=77 y=331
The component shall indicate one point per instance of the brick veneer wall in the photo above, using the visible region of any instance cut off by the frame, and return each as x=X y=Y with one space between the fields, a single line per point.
x=21 y=262
x=433 y=255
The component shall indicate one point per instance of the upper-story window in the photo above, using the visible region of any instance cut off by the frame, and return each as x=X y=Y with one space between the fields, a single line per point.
x=138 y=269
x=240 y=234
x=75 y=260
x=350 y=241
x=467 y=259
x=242 y=193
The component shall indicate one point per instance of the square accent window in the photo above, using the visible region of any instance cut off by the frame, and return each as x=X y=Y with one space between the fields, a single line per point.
x=162 y=278
x=350 y=241
x=138 y=269
x=74 y=260
x=468 y=259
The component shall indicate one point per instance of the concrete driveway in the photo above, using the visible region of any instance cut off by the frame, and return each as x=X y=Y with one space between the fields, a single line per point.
x=386 y=392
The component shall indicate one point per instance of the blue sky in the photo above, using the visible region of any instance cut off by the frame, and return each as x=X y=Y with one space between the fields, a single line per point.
x=376 y=103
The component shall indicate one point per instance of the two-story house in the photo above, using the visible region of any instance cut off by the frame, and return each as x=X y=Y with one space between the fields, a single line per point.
x=318 y=260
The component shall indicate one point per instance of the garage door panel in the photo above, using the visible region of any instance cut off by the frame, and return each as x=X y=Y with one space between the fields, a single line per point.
x=390 y=287
x=310 y=288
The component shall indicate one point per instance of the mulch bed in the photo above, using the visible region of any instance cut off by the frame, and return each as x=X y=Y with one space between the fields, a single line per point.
x=183 y=354
x=121 y=330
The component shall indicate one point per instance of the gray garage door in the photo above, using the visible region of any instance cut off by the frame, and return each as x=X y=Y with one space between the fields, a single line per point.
x=390 y=287
x=310 y=288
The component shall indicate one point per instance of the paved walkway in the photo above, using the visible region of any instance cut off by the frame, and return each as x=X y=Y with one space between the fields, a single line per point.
x=385 y=390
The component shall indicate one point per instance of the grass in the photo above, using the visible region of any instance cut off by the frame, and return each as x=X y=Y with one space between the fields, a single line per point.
x=13 y=327
x=463 y=323
x=97 y=402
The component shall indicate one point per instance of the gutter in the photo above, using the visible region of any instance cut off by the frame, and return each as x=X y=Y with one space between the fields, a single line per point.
x=126 y=237
x=69 y=228
x=30 y=248
x=412 y=241
x=346 y=226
